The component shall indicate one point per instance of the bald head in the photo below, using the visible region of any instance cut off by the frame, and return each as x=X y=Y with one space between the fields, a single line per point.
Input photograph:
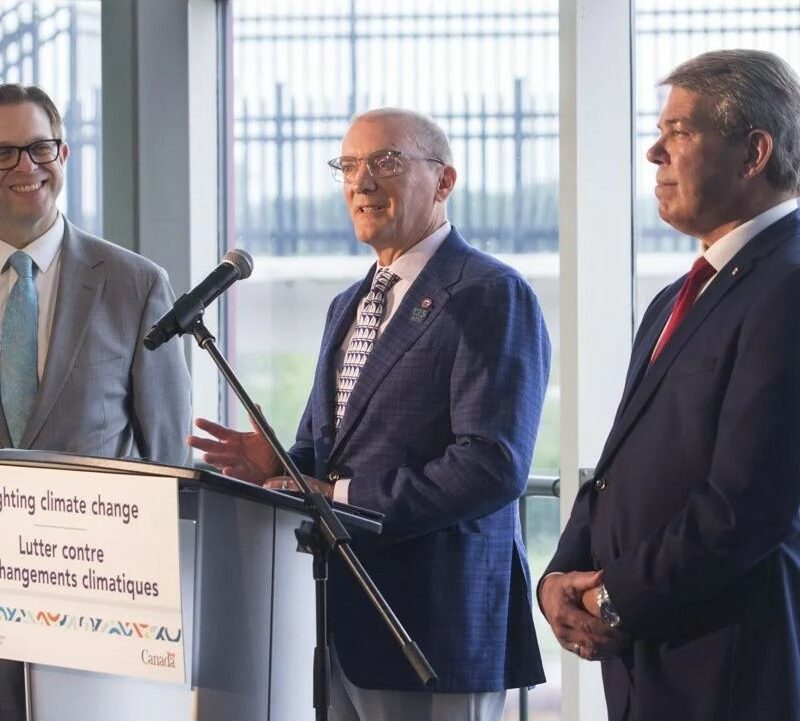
x=423 y=132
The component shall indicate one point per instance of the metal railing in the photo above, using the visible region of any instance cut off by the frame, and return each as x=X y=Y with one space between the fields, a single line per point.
x=544 y=486
x=289 y=114
x=537 y=487
x=282 y=153
x=503 y=124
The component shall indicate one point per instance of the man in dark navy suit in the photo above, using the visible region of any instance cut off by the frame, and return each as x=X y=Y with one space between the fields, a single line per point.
x=680 y=564
x=425 y=406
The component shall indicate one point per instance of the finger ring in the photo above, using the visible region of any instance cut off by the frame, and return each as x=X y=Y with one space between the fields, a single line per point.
x=285 y=486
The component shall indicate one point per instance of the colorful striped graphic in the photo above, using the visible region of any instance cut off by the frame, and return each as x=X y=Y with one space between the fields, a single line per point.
x=90 y=624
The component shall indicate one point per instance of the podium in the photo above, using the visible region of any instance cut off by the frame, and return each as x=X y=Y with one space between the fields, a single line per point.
x=247 y=599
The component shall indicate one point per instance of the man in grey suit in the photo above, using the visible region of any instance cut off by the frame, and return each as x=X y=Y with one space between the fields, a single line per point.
x=73 y=308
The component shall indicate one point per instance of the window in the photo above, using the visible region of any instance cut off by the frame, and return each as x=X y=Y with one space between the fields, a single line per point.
x=488 y=74
x=665 y=37
x=56 y=44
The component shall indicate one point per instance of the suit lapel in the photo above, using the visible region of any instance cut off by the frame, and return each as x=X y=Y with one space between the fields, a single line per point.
x=409 y=321
x=79 y=284
x=643 y=349
x=645 y=379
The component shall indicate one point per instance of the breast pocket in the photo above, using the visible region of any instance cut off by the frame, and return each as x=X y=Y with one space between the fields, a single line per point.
x=694 y=366
x=97 y=386
x=421 y=376
x=415 y=393
x=99 y=363
x=694 y=390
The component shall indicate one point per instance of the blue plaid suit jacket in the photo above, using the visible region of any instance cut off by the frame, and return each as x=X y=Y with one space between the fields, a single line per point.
x=438 y=436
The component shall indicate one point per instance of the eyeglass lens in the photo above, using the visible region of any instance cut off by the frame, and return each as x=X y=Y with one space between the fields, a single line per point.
x=40 y=152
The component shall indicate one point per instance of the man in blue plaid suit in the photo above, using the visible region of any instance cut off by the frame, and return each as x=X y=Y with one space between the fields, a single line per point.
x=425 y=406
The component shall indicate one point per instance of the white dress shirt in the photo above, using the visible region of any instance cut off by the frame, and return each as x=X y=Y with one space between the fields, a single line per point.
x=407 y=267
x=46 y=254
x=719 y=254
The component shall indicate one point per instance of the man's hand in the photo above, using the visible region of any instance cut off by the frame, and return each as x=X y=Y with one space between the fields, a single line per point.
x=591 y=602
x=246 y=456
x=285 y=483
x=576 y=629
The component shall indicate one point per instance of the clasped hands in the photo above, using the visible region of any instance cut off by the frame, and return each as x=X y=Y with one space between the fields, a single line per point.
x=248 y=457
x=569 y=602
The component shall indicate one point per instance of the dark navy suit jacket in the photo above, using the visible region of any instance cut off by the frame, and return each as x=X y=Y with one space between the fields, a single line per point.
x=438 y=436
x=697 y=527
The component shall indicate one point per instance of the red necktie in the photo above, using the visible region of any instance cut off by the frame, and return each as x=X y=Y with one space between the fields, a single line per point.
x=701 y=271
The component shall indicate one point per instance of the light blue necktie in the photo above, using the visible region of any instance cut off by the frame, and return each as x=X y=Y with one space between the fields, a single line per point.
x=19 y=379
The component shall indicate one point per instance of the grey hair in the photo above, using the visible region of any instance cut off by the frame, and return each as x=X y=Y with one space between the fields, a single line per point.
x=750 y=89
x=427 y=135
x=15 y=94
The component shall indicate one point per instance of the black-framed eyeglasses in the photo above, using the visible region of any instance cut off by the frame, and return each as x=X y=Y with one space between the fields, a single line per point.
x=40 y=152
x=380 y=164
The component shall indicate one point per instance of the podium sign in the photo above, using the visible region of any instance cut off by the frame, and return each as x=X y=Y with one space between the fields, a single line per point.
x=89 y=571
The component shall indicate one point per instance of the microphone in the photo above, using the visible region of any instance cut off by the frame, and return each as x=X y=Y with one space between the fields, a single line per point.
x=236 y=265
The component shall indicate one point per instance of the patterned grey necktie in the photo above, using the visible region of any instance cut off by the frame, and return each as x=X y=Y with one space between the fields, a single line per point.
x=19 y=379
x=363 y=340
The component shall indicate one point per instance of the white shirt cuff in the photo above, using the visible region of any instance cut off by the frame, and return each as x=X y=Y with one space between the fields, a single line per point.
x=341 y=490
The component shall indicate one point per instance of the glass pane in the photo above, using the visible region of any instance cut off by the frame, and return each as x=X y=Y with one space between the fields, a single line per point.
x=56 y=44
x=486 y=71
x=542 y=531
x=666 y=35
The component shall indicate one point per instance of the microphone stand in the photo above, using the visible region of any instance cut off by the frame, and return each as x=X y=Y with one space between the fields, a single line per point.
x=327 y=533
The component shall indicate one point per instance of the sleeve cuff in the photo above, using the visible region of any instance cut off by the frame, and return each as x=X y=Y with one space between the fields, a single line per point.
x=541 y=583
x=341 y=490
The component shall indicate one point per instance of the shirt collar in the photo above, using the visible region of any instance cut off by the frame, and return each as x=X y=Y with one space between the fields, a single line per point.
x=409 y=265
x=721 y=252
x=43 y=250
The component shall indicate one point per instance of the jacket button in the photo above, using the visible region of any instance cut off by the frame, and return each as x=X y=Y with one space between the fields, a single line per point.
x=333 y=476
x=600 y=483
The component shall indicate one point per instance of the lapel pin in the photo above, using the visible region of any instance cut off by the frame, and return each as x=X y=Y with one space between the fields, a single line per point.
x=420 y=311
x=735 y=270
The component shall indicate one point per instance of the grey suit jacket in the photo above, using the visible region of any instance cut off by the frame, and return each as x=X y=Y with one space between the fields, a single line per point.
x=102 y=393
